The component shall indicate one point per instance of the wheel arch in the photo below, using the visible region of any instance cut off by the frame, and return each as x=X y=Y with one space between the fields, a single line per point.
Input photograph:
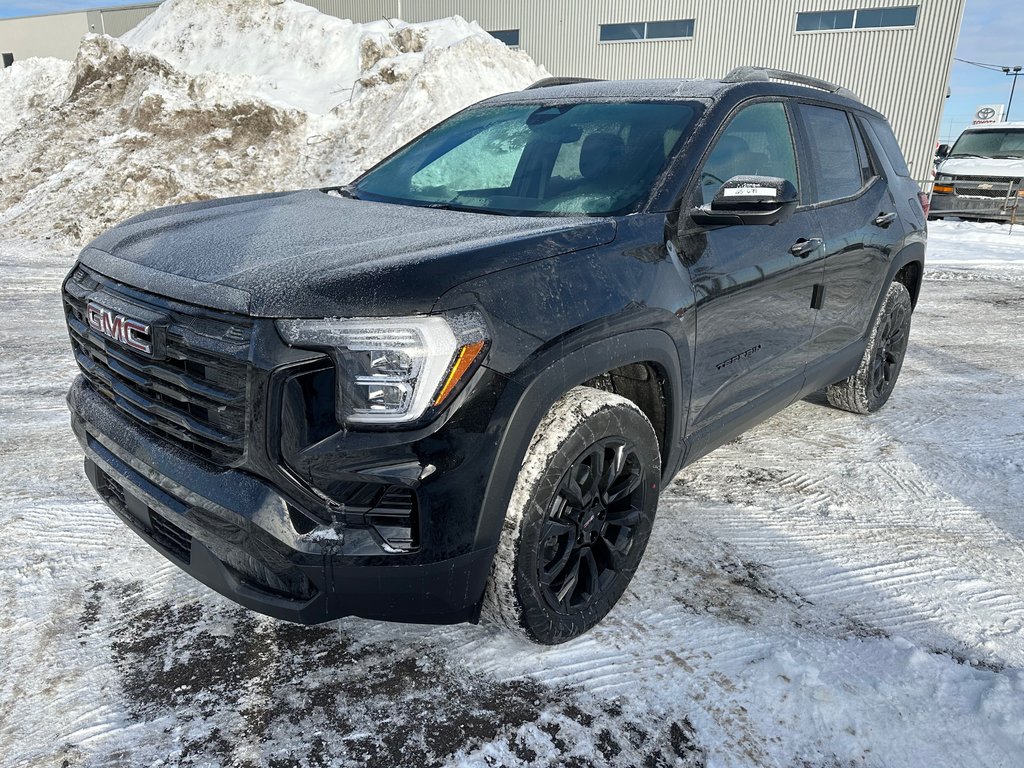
x=908 y=268
x=613 y=364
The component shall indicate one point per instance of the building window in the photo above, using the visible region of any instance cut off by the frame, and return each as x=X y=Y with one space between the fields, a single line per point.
x=862 y=18
x=647 y=30
x=807 y=22
x=887 y=17
x=509 y=37
x=8 y=60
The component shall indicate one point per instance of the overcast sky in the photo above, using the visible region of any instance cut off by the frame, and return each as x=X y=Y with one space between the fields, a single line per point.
x=991 y=34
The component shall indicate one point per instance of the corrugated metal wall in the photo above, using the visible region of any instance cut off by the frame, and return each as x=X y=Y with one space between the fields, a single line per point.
x=901 y=72
x=357 y=10
x=118 y=21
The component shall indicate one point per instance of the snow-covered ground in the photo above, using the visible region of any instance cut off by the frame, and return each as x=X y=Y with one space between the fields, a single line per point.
x=828 y=590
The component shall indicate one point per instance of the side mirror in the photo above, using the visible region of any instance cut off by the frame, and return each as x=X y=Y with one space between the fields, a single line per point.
x=749 y=200
x=942 y=152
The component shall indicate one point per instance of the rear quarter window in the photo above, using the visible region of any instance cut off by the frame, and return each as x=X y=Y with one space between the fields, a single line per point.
x=887 y=141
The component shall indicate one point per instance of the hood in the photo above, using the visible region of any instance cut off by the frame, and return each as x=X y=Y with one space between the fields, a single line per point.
x=993 y=167
x=310 y=254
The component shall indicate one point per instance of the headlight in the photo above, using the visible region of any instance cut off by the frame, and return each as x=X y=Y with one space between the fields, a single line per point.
x=393 y=369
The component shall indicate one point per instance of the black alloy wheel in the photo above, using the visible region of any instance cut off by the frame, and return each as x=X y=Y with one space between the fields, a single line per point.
x=869 y=388
x=890 y=349
x=588 y=531
x=579 y=519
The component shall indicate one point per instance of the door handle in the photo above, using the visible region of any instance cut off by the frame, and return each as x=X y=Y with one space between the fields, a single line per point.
x=803 y=247
x=883 y=220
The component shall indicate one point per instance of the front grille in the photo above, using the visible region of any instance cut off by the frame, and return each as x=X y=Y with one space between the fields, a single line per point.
x=986 y=179
x=112 y=492
x=966 y=190
x=162 y=531
x=980 y=186
x=171 y=537
x=195 y=395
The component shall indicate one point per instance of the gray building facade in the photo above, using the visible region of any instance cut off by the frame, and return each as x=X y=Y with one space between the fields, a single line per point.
x=895 y=54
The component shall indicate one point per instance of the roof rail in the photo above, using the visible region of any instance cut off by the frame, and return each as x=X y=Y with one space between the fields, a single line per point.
x=549 y=82
x=764 y=74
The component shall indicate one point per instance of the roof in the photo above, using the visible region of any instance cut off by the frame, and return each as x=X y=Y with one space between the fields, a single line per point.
x=587 y=88
x=671 y=89
x=663 y=88
x=995 y=126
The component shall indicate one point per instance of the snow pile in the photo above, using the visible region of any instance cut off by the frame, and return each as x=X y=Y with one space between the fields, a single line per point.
x=212 y=98
x=977 y=244
x=27 y=88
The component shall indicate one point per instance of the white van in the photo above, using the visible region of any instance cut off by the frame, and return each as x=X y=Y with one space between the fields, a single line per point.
x=982 y=176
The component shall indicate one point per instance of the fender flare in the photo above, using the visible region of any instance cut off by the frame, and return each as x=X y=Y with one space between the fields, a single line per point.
x=909 y=253
x=544 y=379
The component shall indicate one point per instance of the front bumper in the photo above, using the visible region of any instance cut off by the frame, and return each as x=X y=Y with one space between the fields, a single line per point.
x=236 y=533
x=994 y=208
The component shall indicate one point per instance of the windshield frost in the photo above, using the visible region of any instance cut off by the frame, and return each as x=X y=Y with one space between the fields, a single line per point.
x=585 y=158
x=990 y=143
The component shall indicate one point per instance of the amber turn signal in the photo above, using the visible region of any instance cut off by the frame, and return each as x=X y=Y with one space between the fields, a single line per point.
x=943 y=189
x=463 y=362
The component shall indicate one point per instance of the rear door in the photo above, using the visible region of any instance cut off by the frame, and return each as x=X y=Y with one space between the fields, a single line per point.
x=754 y=295
x=859 y=221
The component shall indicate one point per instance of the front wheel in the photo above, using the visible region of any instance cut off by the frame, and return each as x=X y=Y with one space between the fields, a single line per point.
x=579 y=519
x=869 y=388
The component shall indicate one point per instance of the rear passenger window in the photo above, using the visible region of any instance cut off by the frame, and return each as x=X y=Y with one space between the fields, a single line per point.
x=758 y=142
x=837 y=164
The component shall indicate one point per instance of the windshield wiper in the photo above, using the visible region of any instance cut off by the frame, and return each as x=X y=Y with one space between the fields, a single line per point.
x=461 y=208
x=1008 y=157
x=344 y=191
x=969 y=154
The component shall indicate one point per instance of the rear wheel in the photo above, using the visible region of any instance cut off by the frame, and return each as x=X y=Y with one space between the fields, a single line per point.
x=869 y=388
x=579 y=519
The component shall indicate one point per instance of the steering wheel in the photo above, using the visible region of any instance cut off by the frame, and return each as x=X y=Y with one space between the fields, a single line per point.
x=706 y=175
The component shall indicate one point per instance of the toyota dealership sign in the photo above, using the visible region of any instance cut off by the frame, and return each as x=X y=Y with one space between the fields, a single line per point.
x=987 y=114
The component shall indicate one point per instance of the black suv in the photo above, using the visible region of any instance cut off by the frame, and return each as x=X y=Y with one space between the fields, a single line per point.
x=456 y=386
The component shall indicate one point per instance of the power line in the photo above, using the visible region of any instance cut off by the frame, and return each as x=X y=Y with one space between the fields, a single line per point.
x=993 y=67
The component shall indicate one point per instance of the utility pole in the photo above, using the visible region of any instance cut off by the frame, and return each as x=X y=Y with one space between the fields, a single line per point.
x=1014 y=73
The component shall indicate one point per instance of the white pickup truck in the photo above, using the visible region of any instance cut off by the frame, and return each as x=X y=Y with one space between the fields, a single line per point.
x=982 y=176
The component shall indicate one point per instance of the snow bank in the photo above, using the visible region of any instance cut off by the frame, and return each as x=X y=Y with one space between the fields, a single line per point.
x=28 y=88
x=952 y=242
x=212 y=98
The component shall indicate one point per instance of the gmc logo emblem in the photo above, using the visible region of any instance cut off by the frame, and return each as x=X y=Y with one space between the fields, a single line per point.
x=131 y=333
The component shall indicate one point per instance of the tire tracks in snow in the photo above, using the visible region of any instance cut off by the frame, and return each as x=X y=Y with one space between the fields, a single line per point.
x=827 y=590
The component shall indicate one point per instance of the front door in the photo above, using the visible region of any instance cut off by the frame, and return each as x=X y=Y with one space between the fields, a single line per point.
x=754 y=284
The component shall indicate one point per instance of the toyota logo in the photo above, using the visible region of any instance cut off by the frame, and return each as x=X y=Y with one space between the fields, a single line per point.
x=985 y=113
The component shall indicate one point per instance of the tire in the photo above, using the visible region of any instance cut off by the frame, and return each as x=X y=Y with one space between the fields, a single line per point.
x=556 y=528
x=869 y=388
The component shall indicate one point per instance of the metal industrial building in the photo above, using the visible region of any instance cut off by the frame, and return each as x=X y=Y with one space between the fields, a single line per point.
x=895 y=54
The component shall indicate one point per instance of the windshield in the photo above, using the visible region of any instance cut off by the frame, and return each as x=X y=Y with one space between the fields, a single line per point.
x=991 y=143
x=531 y=159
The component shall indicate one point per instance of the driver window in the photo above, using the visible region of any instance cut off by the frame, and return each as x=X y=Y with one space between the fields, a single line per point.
x=757 y=142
